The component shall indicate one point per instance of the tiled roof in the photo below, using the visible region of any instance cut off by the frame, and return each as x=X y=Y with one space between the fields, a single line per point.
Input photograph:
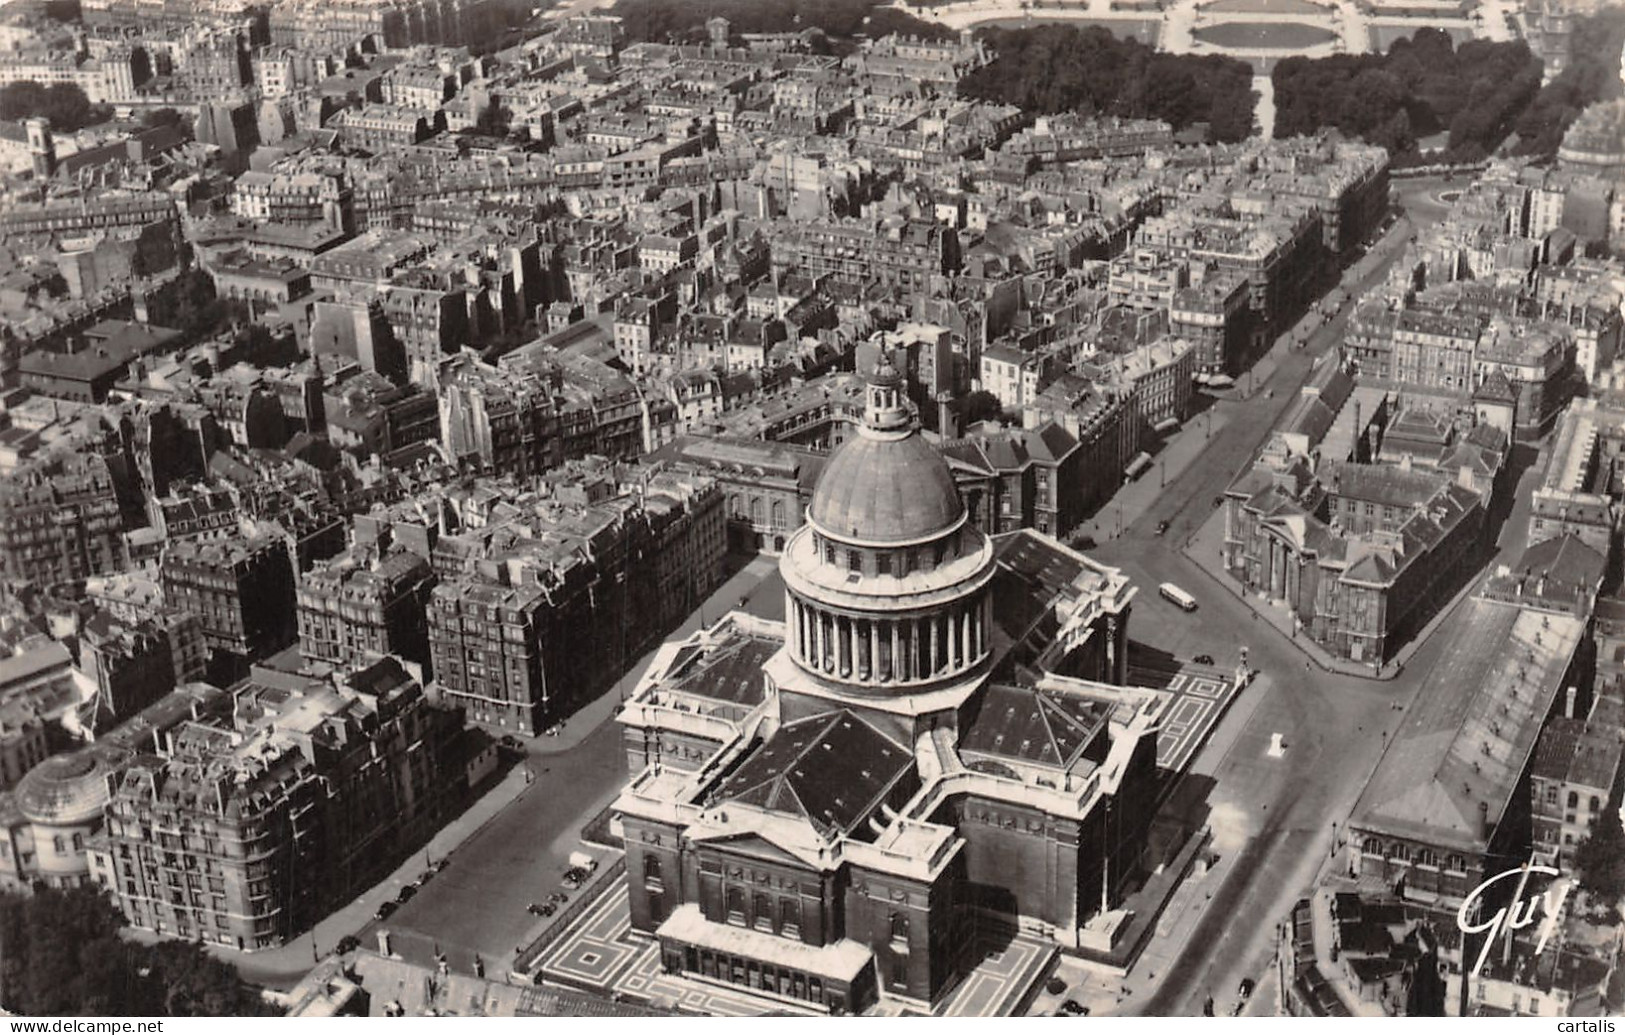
x=1030 y=725
x=831 y=769
x=1459 y=756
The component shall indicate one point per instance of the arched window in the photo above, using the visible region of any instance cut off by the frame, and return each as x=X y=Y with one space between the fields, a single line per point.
x=899 y=927
x=1574 y=799
x=1371 y=846
x=1595 y=803
x=755 y=510
x=651 y=871
x=778 y=513
x=58 y=844
x=1426 y=857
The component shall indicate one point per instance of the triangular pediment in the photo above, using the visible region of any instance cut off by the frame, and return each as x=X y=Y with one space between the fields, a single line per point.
x=750 y=843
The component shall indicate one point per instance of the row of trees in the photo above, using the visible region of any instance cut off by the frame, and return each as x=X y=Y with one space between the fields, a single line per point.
x=1591 y=75
x=684 y=21
x=61 y=954
x=64 y=105
x=1052 y=69
x=1423 y=86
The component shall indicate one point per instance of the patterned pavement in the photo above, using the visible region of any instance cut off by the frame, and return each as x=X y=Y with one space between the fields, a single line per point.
x=1199 y=699
x=1008 y=969
x=601 y=953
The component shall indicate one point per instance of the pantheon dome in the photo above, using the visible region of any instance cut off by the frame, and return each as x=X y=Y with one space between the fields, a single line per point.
x=877 y=490
x=887 y=581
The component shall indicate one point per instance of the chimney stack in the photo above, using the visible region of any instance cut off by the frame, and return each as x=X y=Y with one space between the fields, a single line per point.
x=383 y=943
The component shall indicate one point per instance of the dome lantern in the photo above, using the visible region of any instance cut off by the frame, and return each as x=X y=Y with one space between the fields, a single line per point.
x=885 y=406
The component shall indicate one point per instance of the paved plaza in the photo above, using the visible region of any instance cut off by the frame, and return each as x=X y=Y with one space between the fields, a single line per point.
x=601 y=953
x=1198 y=699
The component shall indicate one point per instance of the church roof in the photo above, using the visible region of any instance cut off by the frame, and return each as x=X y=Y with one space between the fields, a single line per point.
x=830 y=769
x=1026 y=724
x=885 y=490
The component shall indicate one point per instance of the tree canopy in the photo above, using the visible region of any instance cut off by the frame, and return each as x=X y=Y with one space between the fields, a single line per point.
x=61 y=954
x=64 y=105
x=1052 y=69
x=1423 y=86
x=1600 y=858
x=1592 y=75
x=980 y=405
x=684 y=20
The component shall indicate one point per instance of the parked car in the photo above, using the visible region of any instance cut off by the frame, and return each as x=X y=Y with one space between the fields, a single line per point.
x=384 y=910
x=1203 y=659
x=348 y=944
x=509 y=742
x=1073 y=1008
x=541 y=909
x=1245 y=989
x=1162 y=528
x=406 y=894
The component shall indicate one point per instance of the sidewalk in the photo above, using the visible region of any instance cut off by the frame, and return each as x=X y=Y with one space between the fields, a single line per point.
x=284 y=965
x=1204 y=549
x=1134 y=498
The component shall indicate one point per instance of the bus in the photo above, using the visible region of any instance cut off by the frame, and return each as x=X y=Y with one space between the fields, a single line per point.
x=1183 y=600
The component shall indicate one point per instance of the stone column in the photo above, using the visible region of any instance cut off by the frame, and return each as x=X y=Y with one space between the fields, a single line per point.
x=896 y=653
x=936 y=633
x=874 y=651
x=863 y=655
x=819 y=641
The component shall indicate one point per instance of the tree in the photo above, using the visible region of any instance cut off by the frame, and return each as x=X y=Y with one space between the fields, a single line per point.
x=62 y=954
x=980 y=405
x=1089 y=71
x=64 y=105
x=1600 y=858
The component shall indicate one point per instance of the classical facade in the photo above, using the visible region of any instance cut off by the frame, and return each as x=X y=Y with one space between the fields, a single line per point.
x=936 y=738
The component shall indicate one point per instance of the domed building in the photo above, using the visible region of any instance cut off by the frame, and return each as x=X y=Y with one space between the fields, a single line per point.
x=935 y=742
x=47 y=819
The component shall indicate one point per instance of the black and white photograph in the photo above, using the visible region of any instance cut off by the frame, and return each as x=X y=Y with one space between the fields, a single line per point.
x=641 y=510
